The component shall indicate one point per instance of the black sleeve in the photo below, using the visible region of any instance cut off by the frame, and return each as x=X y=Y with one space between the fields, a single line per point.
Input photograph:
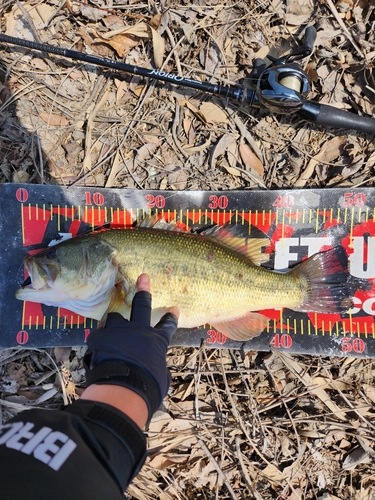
x=88 y=450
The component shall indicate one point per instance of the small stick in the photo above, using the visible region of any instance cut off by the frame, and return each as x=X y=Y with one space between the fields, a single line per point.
x=218 y=469
x=343 y=27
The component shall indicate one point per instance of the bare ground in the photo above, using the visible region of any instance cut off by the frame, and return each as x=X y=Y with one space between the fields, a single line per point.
x=235 y=425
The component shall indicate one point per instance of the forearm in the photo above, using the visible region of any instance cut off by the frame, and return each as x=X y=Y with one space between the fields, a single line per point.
x=89 y=449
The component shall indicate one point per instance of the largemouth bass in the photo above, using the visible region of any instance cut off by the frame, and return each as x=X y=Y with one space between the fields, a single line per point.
x=213 y=277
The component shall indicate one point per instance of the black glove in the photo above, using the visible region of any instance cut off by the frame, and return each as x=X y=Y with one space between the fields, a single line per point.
x=132 y=353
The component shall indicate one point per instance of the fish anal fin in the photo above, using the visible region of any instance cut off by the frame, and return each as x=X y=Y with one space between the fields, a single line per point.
x=251 y=247
x=243 y=328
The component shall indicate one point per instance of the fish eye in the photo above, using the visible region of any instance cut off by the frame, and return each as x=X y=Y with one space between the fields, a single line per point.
x=51 y=253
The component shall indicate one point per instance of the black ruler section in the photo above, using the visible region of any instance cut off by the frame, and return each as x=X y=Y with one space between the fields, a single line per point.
x=298 y=223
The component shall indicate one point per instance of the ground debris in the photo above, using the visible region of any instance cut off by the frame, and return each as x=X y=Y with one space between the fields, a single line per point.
x=235 y=425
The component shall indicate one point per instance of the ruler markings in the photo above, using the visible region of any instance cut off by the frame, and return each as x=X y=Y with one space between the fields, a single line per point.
x=357 y=214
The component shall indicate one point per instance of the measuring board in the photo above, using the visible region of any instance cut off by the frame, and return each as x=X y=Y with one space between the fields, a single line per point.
x=298 y=223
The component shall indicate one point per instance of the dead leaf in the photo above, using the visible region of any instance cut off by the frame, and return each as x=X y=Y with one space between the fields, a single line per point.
x=233 y=171
x=141 y=30
x=369 y=390
x=298 y=11
x=213 y=113
x=62 y=353
x=155 y=21
x=122 y=44
x=329 y=152
x=194 y=109
x=143 y=153
x=122 y=88
x=178 y=179
x=20 y=177
x=273 y=473
x=251 y=159
x=221 y=147
x=195 y=149
x=72 y=7
x=158 y=45
x=113 y=22
x=92 y=13
x=55 y=120
x=308 y=381
x=124 y=39
x=161 y=462
x=337 y=385
x=189 y=129
x=356 y=457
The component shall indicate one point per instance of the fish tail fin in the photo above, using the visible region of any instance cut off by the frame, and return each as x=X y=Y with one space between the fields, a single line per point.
x=327 y=275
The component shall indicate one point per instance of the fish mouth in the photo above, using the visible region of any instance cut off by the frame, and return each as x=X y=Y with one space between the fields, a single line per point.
x=26 y=283
x=39 y=276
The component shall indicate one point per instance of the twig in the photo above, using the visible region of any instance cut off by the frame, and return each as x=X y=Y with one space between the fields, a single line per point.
x=247 y=479
x=197 y=378
x=253 y=403
x=343 y=27
x=28 y=19
x=218 y=469
x=101 y=100
x=288 y=413
x=352 y=408
x=174 y=130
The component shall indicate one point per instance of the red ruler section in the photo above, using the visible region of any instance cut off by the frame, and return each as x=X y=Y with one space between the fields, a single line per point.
x=296 y=223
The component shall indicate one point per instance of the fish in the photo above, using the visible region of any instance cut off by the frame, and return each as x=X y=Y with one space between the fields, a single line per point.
x=214 y=277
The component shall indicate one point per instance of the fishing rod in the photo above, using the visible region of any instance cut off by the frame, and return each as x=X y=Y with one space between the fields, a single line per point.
x=281 y=88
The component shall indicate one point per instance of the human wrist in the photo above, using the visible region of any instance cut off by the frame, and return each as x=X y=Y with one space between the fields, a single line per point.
x=121 y=398
x=130 y=376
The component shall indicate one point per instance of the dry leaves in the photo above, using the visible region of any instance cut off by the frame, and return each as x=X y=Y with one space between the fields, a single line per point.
x=330 y=151
x=55 y=120
x=235 y=425
x=124 y=39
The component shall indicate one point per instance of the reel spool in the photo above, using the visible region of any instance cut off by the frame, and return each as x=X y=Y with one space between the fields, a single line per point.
x=282 y=88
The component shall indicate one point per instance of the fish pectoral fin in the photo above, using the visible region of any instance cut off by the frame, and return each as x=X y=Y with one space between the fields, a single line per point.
x=117 y=301
x=244 y=328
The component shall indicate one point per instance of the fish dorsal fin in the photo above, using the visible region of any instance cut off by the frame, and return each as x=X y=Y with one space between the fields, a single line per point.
x=156 y=222
x=251 y=247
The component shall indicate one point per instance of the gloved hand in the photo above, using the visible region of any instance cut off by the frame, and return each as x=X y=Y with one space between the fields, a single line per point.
x=131 y=353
